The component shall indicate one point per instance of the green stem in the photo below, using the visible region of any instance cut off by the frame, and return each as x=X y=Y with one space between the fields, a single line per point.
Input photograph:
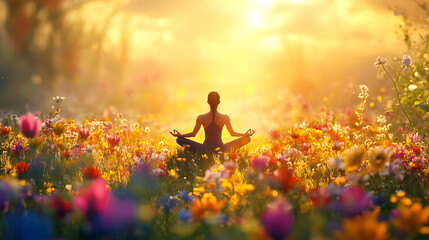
x=397 y=93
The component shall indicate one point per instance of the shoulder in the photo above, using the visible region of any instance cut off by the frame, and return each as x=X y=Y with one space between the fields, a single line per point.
x=225 y=117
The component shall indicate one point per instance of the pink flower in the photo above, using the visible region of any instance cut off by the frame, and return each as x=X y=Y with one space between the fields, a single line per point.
x=30 y=126
x=278 y=219
x=275 y=134
x=93 y=199
x=259 y=163
x=353 y=201
x=305 y=147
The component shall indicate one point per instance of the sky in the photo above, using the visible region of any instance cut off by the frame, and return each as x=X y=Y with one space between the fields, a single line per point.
x=262 y=56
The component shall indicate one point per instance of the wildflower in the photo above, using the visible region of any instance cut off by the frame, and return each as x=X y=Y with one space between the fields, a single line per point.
x=354 y=157
x=259 y=163
x=353 y=201
x=5 y=130
x=30 y=126
x=207 y=205
x=18 y=148
x=167 y=202
x=83 y=133
x=412 y=218
x=184 y=215
x=22 y=167
x=320 y=197
x=35 y=142
x=380 y=61
x=378 y=157
x=286 y=179
x=278 y=219
x=414 y=137
x=406 y=60
x=305 y=147
x=58 y=99
x=294 y=133
x=58 y=128
x=173 y=174
x=245 y=188
x=336 y=163
x=113 y=140
x=337 y=145
x=92 y=173
x=363 y=227
x=275 y=134
x=363 y=91
x=60 y=206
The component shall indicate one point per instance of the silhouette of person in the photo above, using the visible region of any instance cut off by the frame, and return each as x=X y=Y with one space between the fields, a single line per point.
x=213 y=123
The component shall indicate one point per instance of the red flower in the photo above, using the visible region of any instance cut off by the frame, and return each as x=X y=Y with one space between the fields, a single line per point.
x=21 y=167
x=92 y=173
x=61 y=207
x=30 y=126
x=66 y=153
x=5 y=130
x=275 y=134
x=286 y=179
x=83 y=133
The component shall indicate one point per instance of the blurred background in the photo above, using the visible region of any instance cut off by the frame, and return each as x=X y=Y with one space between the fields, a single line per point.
x=161 y=58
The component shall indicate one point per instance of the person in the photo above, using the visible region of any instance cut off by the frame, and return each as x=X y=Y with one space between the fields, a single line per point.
x=213 y=123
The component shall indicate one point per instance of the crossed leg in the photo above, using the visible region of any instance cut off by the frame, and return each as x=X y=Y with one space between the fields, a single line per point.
x=193 y=146
x=237 y=143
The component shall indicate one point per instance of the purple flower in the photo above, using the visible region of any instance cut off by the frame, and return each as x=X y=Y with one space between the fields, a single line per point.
x=184 y=215
x=278 y=219
x=18 y=148
x=406 y=60
x=380 y=61
x=30 y=126
x=353 y=201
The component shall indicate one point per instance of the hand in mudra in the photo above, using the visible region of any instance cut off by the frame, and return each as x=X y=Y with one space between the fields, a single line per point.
x=249 y=132
x=175 y=133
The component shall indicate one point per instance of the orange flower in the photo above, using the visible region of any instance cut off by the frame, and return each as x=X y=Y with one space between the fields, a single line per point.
x=205 y=206
x=365 y=226
x=412 y=218
x=22 y=167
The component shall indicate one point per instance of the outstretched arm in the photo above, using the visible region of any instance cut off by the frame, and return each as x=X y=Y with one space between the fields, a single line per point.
x=191 y=134
x=231 y=131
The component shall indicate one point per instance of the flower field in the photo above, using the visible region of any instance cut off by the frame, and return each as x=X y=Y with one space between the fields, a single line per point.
x=334 y=176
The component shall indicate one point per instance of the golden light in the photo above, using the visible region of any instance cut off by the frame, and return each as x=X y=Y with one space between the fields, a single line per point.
x=255 y=18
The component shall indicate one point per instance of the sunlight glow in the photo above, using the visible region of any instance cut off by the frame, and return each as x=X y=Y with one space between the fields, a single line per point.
x=263 y=3
x=256 y=19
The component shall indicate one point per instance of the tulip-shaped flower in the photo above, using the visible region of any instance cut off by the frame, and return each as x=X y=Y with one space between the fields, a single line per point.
x=30 y=126
x=278 y=219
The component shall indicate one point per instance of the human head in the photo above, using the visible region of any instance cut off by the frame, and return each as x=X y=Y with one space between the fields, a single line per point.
x=213 y=99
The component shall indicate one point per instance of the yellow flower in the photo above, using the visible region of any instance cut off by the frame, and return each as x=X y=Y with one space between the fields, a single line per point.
x=181 y=159
x=217 y=149
x=211 y=185
x=173 y=174
x=245 y=188
x=340 y=181
x=355 y=156
x=365 y=226
x=58 y=128
x=198 y=190
x=204 y=156
x=412 y=218
x=206 y=206
x=226 y=185
x=378 y=157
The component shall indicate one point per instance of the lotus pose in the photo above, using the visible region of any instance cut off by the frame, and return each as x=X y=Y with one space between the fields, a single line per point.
x=213 y=123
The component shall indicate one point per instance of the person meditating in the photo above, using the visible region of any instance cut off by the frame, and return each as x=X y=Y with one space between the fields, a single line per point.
x=213 y=123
